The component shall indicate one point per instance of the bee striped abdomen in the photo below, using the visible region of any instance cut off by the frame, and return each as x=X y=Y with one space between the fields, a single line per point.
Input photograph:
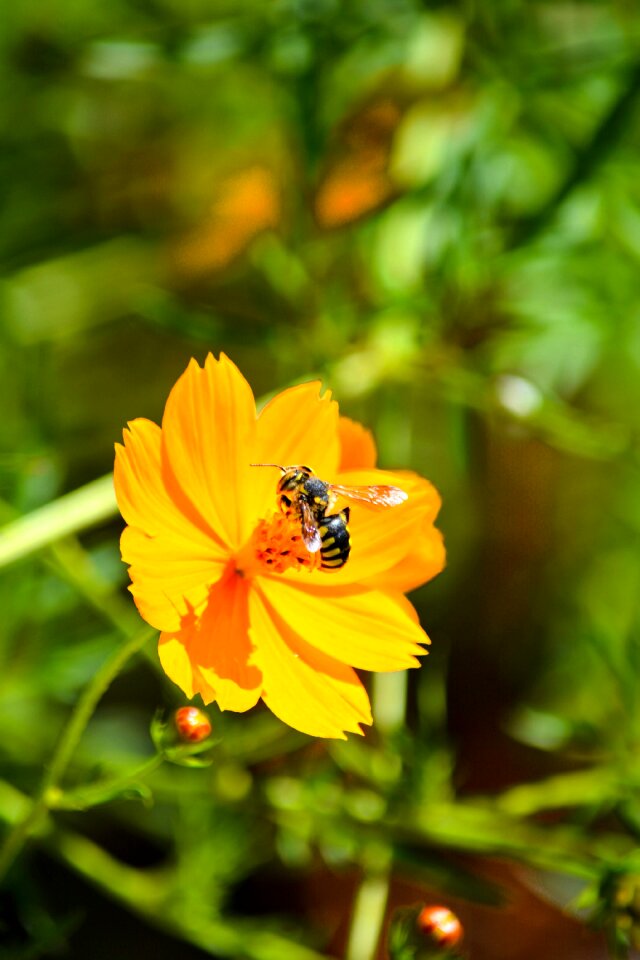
x=336 y=544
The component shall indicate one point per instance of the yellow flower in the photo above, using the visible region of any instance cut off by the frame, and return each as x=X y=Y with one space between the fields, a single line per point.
x=243 y=608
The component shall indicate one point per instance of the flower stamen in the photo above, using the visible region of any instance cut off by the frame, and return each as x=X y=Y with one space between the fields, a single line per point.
x=278 y=546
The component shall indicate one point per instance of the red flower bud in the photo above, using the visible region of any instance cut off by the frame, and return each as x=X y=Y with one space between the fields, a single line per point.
x=440 y=925
x=192 y=724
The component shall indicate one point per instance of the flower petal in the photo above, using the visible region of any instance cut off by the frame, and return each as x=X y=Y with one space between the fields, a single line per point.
x=175 y=662
x=425 y=560
x=296 y=426
x=173 y=560
x=167 y=577
x=357 y=446
x=210 y=654
x=364 y=628
x=303 y=687
x=208 y=433
x=147 y=496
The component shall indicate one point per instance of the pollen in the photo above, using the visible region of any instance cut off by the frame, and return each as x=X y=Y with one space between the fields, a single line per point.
x=279 y=546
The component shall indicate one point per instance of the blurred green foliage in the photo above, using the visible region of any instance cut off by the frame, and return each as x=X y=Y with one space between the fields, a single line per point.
x=436 y=208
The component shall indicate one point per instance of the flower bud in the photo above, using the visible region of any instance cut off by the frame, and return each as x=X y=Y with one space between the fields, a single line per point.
x=440 y=925
x=192 y=724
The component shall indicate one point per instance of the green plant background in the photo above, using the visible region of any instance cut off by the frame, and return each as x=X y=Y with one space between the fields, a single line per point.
x=436 y=209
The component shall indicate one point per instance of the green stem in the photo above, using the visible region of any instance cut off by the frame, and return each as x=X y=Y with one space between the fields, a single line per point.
x=87 y=704
x=69 y=739
x=389 y=702
x=389 y=697
x=149 y=894
x=368 y=915
x=74 y=565
x=104 y=790
x=75 y=511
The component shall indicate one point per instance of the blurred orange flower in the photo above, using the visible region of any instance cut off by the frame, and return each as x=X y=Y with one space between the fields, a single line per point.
x=357 y=181
x=243 y=609
x=245 y=205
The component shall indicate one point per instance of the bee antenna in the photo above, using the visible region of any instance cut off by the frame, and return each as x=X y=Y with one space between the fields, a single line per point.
x=267 y=465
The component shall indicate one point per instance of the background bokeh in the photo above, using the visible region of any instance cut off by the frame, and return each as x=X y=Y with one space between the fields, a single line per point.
x=434 y=207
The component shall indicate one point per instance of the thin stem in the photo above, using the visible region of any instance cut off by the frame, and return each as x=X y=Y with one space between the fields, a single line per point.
x=67 y=743
x=389 y=697
x=73 y=564
x=103 y=790
x=368 y=915
x=69 y=561
x=389 y=702
x=149 y=894
x=87 y=704
x=69 y=514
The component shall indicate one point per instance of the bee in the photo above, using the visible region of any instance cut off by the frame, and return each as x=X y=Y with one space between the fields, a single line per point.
x=309 y=499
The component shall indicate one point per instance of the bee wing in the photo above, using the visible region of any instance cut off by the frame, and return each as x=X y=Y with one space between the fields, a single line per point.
x=374 y=496
x=310 y=534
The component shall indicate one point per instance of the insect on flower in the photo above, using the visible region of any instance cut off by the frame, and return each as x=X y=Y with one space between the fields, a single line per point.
x=308 y=499
x=251 y=599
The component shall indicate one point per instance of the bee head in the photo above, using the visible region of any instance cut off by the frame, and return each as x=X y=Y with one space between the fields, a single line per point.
x=293 y=478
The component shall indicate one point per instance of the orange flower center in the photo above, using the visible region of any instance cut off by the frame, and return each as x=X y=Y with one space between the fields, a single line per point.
x=276 y=546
